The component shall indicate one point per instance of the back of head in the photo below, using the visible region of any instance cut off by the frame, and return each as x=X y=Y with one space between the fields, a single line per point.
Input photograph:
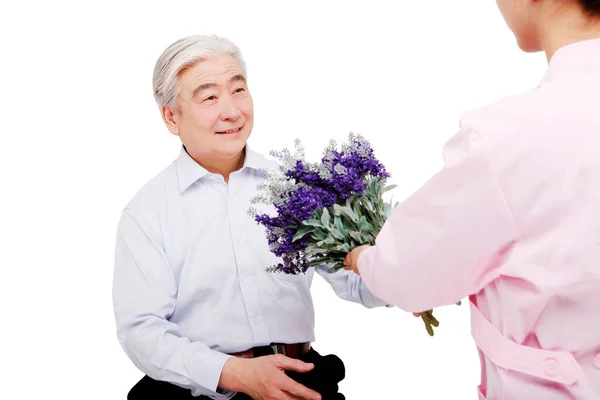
x=183 y=54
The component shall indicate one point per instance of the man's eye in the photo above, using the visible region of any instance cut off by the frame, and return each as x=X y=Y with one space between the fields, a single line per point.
x=209 y=98
x=239 y=90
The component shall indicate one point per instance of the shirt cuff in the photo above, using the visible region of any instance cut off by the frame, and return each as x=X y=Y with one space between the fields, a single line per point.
x=206 y=368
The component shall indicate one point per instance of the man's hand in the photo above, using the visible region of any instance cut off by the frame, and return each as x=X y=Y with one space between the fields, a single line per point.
x=264 y=378
x=351 y=259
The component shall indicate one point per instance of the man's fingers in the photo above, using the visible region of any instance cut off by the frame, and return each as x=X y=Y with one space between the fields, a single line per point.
x=292 y=397
x=282 y=395
x=297 y=390
x=291 y=364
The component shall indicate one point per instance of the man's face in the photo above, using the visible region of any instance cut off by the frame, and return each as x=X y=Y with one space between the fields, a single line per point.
x=216 y=113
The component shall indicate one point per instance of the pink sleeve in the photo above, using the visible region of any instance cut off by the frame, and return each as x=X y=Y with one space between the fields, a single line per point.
x=442 y=244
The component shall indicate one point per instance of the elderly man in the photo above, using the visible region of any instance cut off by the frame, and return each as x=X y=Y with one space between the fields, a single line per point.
x=195 y=309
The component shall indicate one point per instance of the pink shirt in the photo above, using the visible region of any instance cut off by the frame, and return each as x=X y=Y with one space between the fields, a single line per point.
x=513 y=221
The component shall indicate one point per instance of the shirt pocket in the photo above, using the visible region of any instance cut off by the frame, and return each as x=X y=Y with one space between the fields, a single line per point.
x=301 y=277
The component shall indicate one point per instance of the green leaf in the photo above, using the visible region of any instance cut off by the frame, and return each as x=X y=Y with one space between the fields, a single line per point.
x=368 y=226
x=388 y=188
x=373 y=189
x=387 y=210
x=348 y=227
x=325 y=218
x=345 y=247
x=320 y=234
x=357 y=237
x=313 y=250
x=313 y=222
x=322 y=260
x=335 y=268
x=348 y=212
x=337 y=209
x=337 y=222
x=302 y=232
x=329 y=240
x=362 y=223
x=339 y=235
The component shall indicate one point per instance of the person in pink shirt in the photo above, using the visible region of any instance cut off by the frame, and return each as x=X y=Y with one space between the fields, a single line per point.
x=512 y=220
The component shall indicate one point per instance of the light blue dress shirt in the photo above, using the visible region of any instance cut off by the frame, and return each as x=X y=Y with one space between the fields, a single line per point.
x=190 y=283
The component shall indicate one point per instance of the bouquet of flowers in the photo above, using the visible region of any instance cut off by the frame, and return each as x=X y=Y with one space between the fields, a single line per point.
x=325 y=209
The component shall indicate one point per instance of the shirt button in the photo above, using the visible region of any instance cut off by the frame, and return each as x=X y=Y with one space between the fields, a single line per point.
x=551 y=367
x=597 y=361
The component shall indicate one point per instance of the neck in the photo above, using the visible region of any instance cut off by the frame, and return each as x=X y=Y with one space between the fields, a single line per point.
x=220 y=165
x=568 y=26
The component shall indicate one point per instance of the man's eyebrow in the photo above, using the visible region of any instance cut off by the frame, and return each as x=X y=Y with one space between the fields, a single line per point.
x=202 y=88
x=238 y=78
x=205 y=86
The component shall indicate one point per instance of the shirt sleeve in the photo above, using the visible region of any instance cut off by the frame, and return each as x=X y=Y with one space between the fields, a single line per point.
x=444 y=242
x=349 y=286
x=144 y=297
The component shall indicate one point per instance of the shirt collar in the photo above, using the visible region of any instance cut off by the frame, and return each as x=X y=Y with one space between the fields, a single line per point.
x=575 y=59
x=189 y=171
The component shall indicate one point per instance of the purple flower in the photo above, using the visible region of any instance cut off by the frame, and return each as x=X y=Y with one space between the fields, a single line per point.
x=341 y=174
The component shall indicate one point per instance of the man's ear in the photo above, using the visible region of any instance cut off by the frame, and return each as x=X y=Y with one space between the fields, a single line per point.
x=171 y=119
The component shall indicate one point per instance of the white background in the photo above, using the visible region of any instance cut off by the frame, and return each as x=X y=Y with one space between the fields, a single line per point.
x=81 y=134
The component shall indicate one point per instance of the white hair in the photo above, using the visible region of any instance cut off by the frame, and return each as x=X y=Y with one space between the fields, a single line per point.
x=183 y=54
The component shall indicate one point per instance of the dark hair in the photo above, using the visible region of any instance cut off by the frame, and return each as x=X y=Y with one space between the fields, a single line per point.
x=591 y=6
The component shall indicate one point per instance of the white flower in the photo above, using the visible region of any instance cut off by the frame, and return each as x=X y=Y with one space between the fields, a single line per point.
x=340 y=169
x=324 y=171
x=299 y=154
x=351 y=146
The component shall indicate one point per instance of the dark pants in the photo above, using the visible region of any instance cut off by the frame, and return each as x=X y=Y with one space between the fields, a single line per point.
x=324 y=378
